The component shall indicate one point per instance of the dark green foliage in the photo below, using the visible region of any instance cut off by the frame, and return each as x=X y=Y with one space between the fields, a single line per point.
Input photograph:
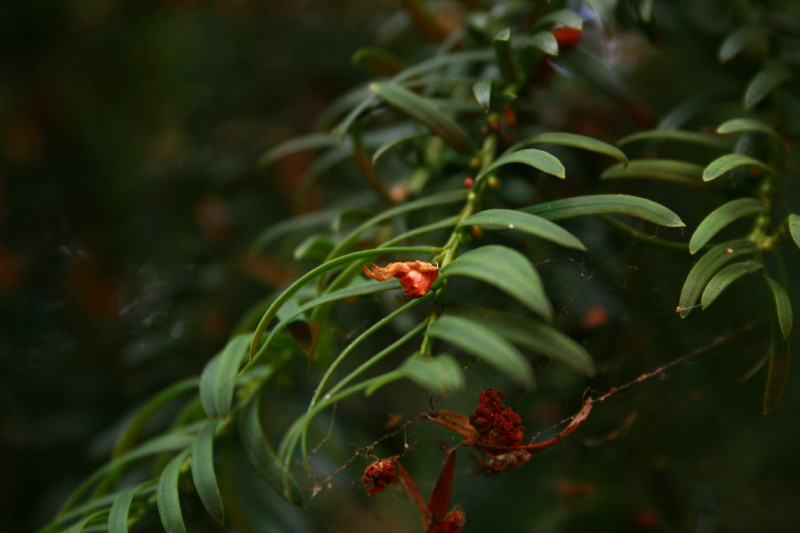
x=443 y=141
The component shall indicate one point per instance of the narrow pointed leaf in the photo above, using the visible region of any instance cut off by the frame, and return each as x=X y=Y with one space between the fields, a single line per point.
x=688 y=137
x=543 y=41
x=439 y=501
x=794 y=228
x=483 y=94
x=506 y=269
x=203 y=476
x=532 y=335
x=120 y=509
x=728 y=162
x=234 y=353
x=426 y=113
x=645 y=9
x=783 y=307
x=263 y=458
x=657 y=169
x=167 y=497
x=721 y=217
x=778 y=371
x=738 y=40
x=478 y=340
x=134 y=428
x=80 y=526
x=440 y=375
x=706 y=267
x=764 y=83
x=727 y=275
x=607 y=204
x=506 y=219
x=737 y=125
x=386 y=147
x=567 y=17
x=207 y=381
x=576 y=141
x=539 y=159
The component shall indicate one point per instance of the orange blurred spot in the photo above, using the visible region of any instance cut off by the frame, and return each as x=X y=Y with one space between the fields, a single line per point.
x=594 y=318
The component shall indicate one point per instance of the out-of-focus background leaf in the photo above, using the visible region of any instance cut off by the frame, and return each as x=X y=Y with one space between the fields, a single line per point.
x=129 y=194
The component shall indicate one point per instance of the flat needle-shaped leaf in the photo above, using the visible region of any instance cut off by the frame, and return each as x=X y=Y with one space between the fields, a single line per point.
x=764 y=83
x=506 y=219
x=706 y=267
x=728 y=162
x=656 y=169
x=576 y=141
x=607 y=204
x=720 y=218
x=426 y=113
x=203 y=476
x=794 y=228
x=538 y=159
x=778 y=372
x=478 y=340
x=783 y=307
x=506 y=269
x=727 y=275
x=483 y=94
x=167 y=497
x=441 y=374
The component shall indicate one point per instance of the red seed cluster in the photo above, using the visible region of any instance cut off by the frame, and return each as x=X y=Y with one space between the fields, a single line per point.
x=495 y=422
x=452 y=523
x=379 y=475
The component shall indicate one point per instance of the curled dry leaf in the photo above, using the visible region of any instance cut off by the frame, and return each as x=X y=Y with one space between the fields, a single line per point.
x=416 y=277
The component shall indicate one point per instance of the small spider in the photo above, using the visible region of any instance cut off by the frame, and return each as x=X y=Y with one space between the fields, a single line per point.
x=495 y=431
x=416 y=277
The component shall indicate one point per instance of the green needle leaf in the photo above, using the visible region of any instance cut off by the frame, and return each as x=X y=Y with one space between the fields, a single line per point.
x=426 y=113
x=481 y=341
x=576 y=141
x=440 y=375
x=656 y=169
x=722 y=217
x=689 y=137
x=567 y=17
x=607 y=204
x=737 y=125
x=738 y=40
x=538 y=159
x=794 y=228
x=727 y=275
x=167 y=497
x=783 y=307
x=764 y=83
x=543 y=41
x=500 y=219
x=728 y=162
x=778 y=372
x=120 y=509
x=203 y=476
x=483 y=94
x=506 y=269
x=707 y=266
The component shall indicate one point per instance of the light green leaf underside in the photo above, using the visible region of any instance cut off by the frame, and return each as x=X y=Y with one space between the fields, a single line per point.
x=727 y=275
x=738 y=40
x=607 y=204
x=778 y=372
x=543 y=41
x=794 y=228
x=506 y=269
x=426 y=113
x=707 y=266
x=482 y=342
x=506 y=219
x=764 y=83
x=689 y=137
x=482 y=91
x=728 y=162
x=783 y=307
x=440 y=375
x=203 y=476
x=167 y=497
x=657 y=169
x=539 y=159
x=721 y=217
x=532 y=335
x=576 y=141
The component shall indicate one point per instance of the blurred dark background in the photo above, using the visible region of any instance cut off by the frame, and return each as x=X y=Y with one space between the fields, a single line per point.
x=129 y=193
